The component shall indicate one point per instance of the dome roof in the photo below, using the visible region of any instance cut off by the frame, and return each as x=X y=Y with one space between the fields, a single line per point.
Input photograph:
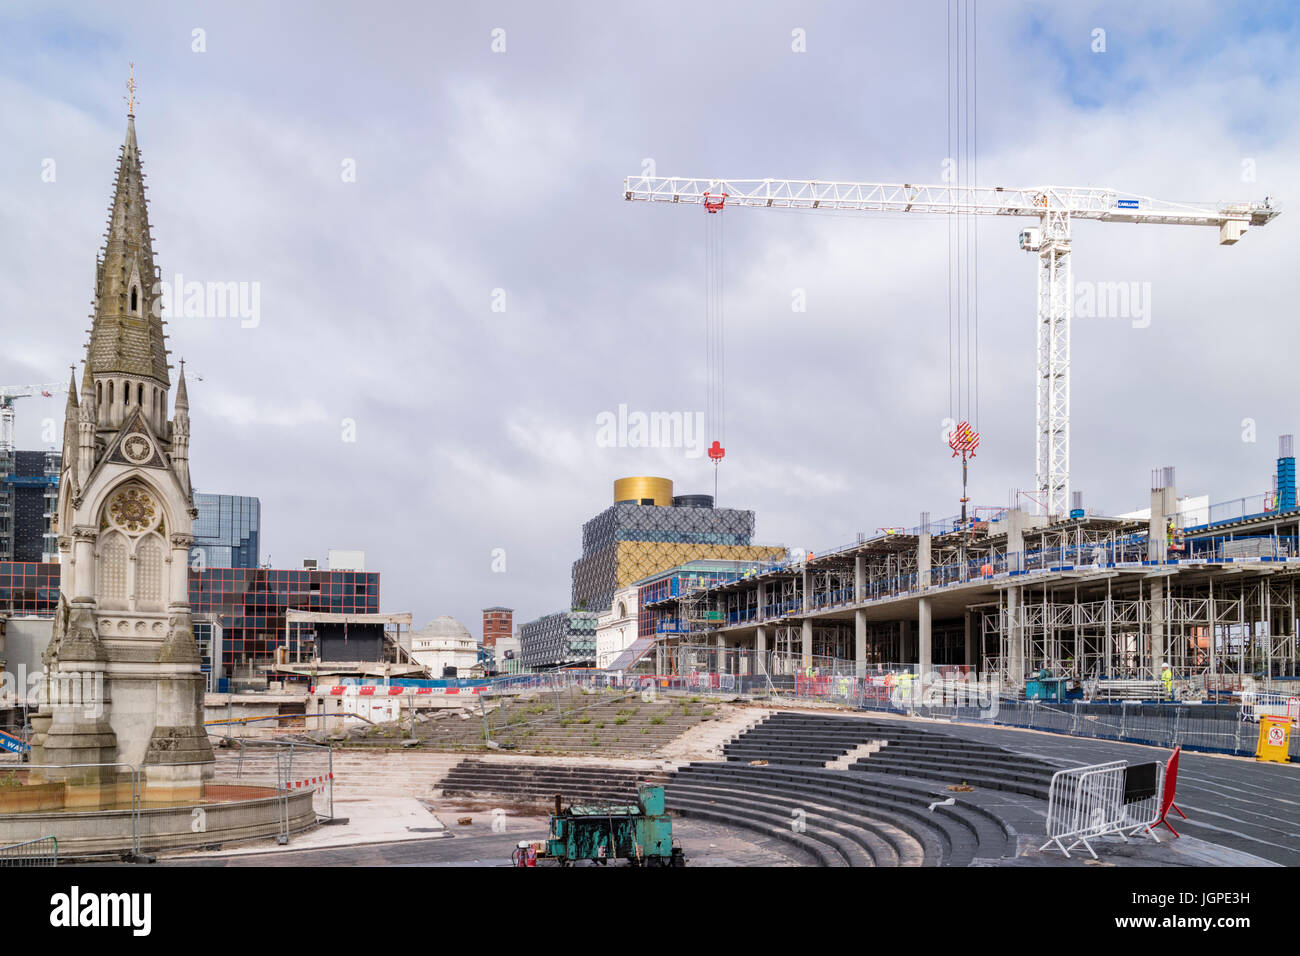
x=445 y=626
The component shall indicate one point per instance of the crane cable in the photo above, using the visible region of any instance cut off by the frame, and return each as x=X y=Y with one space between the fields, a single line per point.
x=963 y=227
x=715 y=332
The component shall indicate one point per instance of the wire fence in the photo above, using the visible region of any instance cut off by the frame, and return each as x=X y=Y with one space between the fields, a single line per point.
x=132 y=795
x=1216 y=728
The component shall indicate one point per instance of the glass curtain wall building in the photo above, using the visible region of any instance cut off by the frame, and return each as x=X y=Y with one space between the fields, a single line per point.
x=226 y=532
x=239 y=613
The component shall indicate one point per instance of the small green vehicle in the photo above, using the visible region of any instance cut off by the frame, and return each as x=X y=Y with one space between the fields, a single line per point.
x=641 y=834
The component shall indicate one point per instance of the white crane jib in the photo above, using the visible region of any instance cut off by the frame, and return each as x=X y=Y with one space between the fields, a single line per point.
x=7 y=395
x=1052 y=206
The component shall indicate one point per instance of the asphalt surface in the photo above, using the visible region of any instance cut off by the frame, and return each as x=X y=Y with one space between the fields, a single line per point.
x=705 y=844
x=1235 y=802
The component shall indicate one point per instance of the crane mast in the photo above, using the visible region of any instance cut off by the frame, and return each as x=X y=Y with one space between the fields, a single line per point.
x=1054 y=207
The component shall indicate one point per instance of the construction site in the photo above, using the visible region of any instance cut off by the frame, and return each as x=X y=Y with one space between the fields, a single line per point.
x=1093 y=681
x=1008 y=594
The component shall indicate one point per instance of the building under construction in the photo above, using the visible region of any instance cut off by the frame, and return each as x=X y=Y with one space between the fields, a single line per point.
x=1212 y=593
x=29 y=495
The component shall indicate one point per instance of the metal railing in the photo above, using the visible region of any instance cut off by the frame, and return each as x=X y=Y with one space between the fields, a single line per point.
x=1107 y=799
x=40 y=852
x=281 y=767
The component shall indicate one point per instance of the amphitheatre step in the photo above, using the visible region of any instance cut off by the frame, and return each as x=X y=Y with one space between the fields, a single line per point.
x=883 y=844
x=929 y=838
x=820 y=846
x=854 y=842
x=998 y=766
x=969 y=827
x=953 y=777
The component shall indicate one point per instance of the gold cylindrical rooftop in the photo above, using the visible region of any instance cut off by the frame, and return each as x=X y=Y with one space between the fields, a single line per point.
x=643 y=489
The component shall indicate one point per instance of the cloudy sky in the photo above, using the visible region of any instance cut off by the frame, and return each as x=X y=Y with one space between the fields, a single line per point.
x=489 y=177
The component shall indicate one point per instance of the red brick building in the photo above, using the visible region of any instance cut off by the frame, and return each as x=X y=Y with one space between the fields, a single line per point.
x=497 y=622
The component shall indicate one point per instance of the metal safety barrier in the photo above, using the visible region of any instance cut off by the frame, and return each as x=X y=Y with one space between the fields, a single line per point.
x=41 y=852
x=1107 y=799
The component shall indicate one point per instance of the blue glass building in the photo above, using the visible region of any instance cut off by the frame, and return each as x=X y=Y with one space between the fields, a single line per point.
x=226 y=532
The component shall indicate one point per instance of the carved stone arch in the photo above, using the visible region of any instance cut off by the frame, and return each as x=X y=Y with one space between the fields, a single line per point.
x=112 y=568
x=100 y=500
x=151 y=591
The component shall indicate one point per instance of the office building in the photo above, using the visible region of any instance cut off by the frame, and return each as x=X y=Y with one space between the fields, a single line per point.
x=226 y=532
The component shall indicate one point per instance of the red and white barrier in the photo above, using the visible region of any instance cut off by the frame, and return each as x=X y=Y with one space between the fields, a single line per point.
x=317 y=783
x=371 y=690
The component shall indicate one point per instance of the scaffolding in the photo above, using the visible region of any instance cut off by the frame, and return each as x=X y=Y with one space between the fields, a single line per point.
x=1234 y=626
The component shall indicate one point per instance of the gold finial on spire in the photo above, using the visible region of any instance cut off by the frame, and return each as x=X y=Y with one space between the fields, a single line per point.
x=130 y=87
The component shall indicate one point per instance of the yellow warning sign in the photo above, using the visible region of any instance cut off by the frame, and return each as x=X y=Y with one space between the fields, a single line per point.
x=1274 y=739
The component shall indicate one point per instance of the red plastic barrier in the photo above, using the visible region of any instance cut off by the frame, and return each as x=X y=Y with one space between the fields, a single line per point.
x=1171 y=785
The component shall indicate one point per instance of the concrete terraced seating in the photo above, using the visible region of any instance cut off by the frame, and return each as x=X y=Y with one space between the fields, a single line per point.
x=810 y=740
x=538 y=783
x=610 y=723
x=932 y=755
x=801 y=740
x=844 y=819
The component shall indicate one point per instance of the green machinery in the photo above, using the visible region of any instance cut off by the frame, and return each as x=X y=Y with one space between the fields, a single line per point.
x=641 y=834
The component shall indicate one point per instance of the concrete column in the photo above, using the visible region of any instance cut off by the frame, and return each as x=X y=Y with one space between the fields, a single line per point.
x=923 y=559
x=860 y=642
x=760 y=648
x=1017 y=521
x=970 y=640
x=722 y=654
x=807 y=595
x=859 y=578
x=762 y=600
x=1157 y=626
x=806 y=644
x=1015 y=663
x=1164 y=507
x=923 y=650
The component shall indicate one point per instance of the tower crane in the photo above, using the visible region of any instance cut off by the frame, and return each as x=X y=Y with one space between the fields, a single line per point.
x=10 y=393
x=1053 y=207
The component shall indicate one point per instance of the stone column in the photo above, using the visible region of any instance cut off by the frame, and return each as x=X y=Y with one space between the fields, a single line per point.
x=83 y=585
x=178 y=758
x=78 y=733
x=179 y=571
